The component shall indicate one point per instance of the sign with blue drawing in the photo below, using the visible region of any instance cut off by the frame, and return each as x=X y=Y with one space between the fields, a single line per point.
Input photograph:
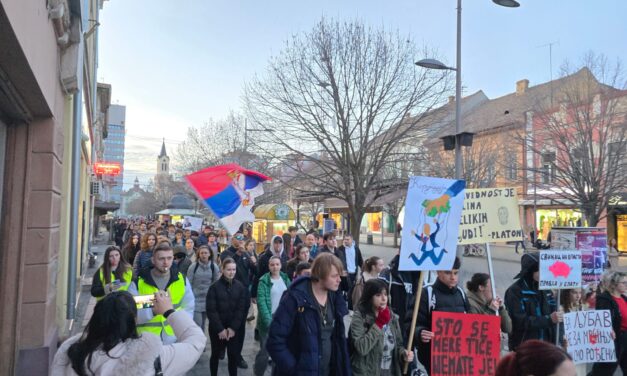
x=433 y=211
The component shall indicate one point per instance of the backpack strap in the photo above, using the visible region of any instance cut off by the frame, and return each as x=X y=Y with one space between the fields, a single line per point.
x=158 y=368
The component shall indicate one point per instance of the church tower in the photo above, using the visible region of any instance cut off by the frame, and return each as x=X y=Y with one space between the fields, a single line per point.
x=163 y=162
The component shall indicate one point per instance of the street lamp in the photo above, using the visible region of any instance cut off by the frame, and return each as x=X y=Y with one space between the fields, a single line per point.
x=436 y=64
x=246 y=130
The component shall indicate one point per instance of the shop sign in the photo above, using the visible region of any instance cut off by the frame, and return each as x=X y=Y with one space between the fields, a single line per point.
x=282 y=212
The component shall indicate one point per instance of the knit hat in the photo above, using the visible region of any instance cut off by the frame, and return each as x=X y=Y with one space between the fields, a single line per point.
x=529 y=263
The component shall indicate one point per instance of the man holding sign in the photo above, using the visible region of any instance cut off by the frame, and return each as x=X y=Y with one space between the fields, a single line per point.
x=533 y=311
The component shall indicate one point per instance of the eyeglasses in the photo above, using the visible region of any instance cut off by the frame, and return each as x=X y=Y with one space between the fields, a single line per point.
x=239 y=237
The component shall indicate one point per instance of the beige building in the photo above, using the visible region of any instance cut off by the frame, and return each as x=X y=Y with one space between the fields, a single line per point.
x=49 y=110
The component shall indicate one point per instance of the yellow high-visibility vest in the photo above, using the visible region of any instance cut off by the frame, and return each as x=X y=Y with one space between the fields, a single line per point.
x=128 y=278
x=157 y=324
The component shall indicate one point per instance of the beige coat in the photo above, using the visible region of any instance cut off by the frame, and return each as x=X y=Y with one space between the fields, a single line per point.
x=480 y=306
x=137 y=356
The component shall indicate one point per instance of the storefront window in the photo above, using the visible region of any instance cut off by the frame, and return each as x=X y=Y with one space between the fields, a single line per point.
x=621 y=232
x=549 y=218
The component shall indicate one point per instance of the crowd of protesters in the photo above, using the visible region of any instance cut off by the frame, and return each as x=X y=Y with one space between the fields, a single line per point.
x=303 y=288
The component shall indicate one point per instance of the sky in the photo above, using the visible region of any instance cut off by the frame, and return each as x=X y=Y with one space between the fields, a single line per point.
x=176 y=64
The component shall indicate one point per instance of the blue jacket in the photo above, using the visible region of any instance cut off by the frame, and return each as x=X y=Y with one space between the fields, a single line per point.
x=294 y=335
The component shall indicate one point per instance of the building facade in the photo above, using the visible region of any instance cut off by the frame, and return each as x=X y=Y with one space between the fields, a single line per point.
x=47 y=130
x=114 y=151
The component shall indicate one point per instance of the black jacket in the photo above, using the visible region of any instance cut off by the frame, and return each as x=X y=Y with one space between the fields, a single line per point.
x=263 y=267
x=226 y=305
x=443 y=299
x=246 y=269
x=340 y=252
x=606 y=301
x=530 y=310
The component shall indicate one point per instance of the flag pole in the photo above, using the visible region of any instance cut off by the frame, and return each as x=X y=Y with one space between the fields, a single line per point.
x=414 y=317
x=491 y=271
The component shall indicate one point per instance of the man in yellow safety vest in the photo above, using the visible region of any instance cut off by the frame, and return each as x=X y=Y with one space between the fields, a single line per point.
x=162 y=277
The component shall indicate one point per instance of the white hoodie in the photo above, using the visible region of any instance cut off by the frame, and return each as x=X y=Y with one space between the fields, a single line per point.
x=137 y=356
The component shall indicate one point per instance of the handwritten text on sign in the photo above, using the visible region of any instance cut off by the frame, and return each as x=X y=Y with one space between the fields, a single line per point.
x=560 y=270
x=589 y=336
x=464 y=344
x=490 y=215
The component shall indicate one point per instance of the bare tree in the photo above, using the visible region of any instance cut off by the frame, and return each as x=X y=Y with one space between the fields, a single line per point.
x=332 y=98
x=146 y=205
x=579 y=139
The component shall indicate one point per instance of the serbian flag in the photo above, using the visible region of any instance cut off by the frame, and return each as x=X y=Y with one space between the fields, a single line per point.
x=229 y=191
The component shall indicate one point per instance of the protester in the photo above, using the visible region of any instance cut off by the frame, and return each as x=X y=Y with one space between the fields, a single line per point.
x=131 y=248
x=246 y=265
x=375 y=334
x=275 y=248
x=329 y=244
x=203 y=239
x=119 y=230
x=537 y=358
x=612 y=298
x=226 y=307
x=311 y=242
x=443 y=295
x=130 y=230
x=178 y=238
x=303 y=269
x=162 y=277
x=481 y=301
x=201 y=275
x=270 y=289
x=350 y=254
x=533 y=311
x=370 y=270
x=190 y=249
x=115 y=274
x=301 y=254
x=246 y=233
x=291 y=240
x=403 y=286
x=223 y=240
x=111 y=345
x=181 y=260
x=144 y=257
x=307 y=334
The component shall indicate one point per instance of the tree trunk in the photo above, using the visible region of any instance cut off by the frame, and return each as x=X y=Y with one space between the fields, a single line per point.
x=395 y=231
x=356 y=216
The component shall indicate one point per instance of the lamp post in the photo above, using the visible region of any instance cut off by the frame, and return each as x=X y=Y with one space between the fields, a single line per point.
x=246 y=130
x=436 y=64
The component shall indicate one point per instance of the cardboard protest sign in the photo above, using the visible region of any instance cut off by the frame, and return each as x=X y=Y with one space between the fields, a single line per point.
x=589 y=336
x=432 y=212
x=192 y=223
x=465 y=344
x=490 y=215
x=560 y=269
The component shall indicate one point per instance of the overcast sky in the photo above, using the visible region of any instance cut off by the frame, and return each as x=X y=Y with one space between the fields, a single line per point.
x=175 y=64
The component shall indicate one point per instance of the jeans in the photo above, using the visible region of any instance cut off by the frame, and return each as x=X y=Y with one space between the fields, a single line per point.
x=217 y=346
x=522 y=243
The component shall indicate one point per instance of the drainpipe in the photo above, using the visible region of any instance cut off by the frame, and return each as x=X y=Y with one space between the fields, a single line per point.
x=74 y=200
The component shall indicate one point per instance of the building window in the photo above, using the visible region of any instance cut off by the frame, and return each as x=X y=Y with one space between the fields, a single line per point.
x=512 y=167
x=548 y=168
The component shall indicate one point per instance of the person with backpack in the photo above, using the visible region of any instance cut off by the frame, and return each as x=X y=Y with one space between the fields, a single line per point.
x=444 y=295
x=201 y=275
x=375 y=337
x=533 y=311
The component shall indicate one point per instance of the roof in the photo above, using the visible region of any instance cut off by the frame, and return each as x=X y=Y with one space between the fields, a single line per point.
x=163 y=153
x=274 y=212
x=511 y=109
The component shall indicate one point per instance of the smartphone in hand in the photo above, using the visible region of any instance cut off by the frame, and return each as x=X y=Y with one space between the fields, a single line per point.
x=144 y=301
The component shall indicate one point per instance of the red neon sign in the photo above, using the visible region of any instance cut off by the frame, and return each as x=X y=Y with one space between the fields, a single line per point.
x=107 y=168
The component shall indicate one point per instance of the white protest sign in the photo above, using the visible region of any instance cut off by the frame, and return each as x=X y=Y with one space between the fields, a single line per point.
x=192 y=223
x=490 y=215
x=560 y=270
x=589 y=336
x=432 y=215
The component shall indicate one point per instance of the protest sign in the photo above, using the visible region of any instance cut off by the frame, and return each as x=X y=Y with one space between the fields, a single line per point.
x=490 y=215
x=432 y=212
x=192 y=223
x=329 y=225
x=560 y=269
x=589 y=336
x=593 y=245
x=465 y=344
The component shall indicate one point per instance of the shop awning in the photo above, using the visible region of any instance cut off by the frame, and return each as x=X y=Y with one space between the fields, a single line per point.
x=102 y=207
x=337 y=205
x=182 y=212
x=274 y=212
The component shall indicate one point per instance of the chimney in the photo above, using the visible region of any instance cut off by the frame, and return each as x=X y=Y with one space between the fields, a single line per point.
x=451 y=99
x=522 y=86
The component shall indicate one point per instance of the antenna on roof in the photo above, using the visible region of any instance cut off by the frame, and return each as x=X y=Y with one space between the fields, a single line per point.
x=550 y=46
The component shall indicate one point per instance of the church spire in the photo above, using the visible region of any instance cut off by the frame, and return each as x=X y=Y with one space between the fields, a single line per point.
x=163 y=153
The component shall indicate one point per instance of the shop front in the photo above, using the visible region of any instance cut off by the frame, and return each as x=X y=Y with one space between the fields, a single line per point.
x=547 y=218
x=617 y=220
x=271 y=220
